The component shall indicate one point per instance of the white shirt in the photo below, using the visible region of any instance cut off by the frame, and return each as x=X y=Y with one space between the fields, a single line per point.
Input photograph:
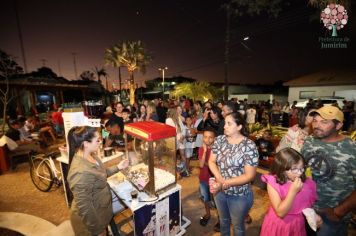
x=251 y=116
x=170 y=122
x=199 y=139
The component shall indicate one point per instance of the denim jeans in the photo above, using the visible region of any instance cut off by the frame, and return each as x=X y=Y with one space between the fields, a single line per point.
x=204 y=191
x=331 y=228
x=232 y=210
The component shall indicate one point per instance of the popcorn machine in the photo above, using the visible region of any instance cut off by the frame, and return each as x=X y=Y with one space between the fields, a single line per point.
x=151 y=150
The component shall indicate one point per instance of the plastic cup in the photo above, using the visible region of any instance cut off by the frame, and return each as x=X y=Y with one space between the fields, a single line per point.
x=212 y=182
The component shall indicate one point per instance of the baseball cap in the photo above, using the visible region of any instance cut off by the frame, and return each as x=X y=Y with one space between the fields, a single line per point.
x=329 y=113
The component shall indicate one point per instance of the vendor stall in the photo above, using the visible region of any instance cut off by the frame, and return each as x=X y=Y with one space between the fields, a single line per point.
x=149 y=186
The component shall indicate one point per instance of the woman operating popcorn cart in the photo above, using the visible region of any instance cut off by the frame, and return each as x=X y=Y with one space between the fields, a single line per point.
x=91 y=209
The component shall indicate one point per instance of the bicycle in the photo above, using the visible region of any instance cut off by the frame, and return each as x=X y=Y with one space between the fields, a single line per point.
x=43 y=171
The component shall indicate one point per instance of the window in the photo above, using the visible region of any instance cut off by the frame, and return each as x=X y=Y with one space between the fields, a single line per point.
x=306 y=94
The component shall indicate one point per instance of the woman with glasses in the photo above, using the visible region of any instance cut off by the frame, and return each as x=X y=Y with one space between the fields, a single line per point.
x=296 y=134
x=289 y=192
x=233 y=161
x=91 y=209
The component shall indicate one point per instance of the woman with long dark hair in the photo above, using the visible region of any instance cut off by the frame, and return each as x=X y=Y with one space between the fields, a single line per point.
x=233 y=162
x=91 y=209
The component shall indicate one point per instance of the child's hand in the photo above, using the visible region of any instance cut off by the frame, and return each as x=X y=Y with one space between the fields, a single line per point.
x=204 y=147
x=296 y=185
x=319 y=221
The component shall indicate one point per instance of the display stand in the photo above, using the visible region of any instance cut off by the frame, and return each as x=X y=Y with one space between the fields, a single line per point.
x=160 y=215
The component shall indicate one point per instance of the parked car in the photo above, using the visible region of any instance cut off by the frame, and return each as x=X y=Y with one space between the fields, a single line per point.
x=326 y=101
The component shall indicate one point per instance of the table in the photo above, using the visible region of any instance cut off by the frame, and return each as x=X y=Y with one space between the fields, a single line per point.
x=63 y=163
x=159 y=215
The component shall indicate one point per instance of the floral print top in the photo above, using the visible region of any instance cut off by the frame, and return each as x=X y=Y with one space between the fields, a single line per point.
x=294 y=138
x=231 y=160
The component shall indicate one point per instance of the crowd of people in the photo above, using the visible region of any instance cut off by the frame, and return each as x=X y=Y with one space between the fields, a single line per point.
x=218 y=135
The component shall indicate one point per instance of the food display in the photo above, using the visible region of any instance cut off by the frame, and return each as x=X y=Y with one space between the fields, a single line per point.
x=152 y=156
x=139 y=176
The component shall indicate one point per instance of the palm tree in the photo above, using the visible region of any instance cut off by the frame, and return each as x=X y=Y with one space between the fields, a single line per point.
x=197 y=91
x=99 y=73
x=129 y=54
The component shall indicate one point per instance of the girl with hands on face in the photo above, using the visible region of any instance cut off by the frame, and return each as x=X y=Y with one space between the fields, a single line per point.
x=289 y=192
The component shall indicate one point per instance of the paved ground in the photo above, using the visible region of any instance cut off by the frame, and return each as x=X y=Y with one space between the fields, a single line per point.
x=18 y=194
x=49 y=210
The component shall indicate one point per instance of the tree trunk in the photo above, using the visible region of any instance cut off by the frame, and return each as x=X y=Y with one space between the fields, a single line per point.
x=4 y=118
x=120 y=82
x=132 y=88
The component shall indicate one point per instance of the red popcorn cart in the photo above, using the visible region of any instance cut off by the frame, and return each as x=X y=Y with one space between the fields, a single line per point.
x=151 y=150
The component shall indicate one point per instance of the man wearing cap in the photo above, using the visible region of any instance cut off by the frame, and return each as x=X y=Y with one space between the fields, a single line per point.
x=332 y=159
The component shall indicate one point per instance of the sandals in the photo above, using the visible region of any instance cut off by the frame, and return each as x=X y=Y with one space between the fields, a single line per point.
x=204 y=221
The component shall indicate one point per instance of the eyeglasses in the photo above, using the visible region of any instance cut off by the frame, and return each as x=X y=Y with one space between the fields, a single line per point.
x=297 y=170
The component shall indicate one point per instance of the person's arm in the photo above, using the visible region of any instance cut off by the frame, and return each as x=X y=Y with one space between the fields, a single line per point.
x=108 y=141
x=286 y=140
x=202 y=156
x=247 y=177
x=344 y=207
x=214 y=168
x=281 y=207
x=116 y=168
x=201 y=126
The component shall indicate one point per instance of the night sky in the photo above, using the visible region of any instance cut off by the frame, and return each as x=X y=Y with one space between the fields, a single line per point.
x=187 y=36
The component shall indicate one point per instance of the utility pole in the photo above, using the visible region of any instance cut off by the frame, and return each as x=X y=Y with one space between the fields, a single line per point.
x=20 y=38
x=120 y=82
x=163 y=70
x=227 y=53
x=75 y=65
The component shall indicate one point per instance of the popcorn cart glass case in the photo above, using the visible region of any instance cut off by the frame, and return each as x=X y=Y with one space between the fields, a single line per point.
x=151 y=150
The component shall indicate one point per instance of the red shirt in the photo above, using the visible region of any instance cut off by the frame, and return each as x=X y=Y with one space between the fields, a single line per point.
x=205 y=173
x=57 y=117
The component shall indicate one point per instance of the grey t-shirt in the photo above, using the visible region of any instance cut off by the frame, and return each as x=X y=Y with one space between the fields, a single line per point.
x=333 y=167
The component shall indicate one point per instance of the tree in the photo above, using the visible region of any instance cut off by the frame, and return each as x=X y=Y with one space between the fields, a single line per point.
x=8 y=69
x=197 y=91
x=129 y=54
x=87 y=75
x=236 y=8
x=101 y=72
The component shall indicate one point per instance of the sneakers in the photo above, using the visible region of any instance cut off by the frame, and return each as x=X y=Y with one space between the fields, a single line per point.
x=204 y=221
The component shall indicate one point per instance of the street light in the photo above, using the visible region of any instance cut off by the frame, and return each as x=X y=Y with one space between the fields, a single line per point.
x=163 y=70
